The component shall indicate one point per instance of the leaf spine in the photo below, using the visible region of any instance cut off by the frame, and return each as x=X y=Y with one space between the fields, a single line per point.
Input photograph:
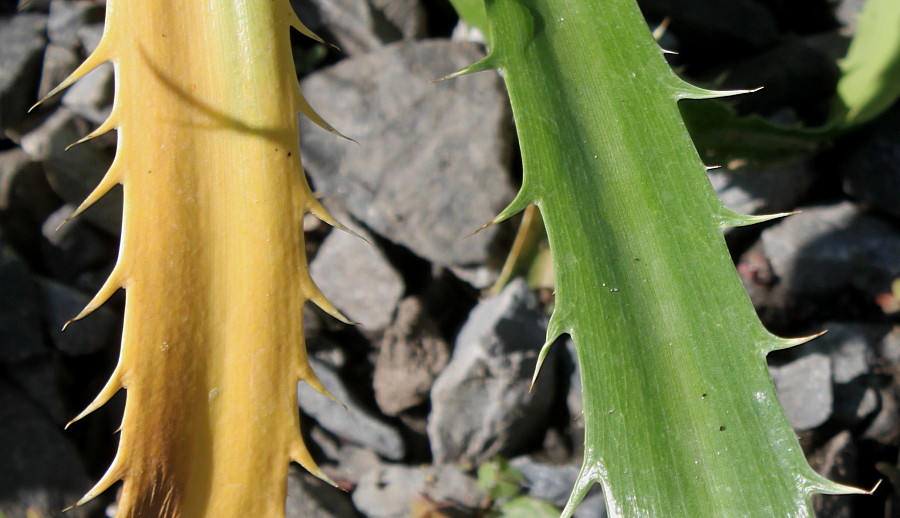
x=315 y=295
x=555 y=329
x=684 y=90
x=308 y=375
x=112 y=284
x=113 y=385
x=109 y=124
x=100 y=55
x=731 y=219
x=489 y=62
x=114 y=474
x=523 y=199
x=300 y=454
x=311 y=114
x=778 y=343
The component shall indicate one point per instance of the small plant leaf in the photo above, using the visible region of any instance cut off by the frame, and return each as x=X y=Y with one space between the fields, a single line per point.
x=870 y=73
x=526 y=507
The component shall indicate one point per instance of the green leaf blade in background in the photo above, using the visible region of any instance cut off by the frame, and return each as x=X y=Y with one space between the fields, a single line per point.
x=870 y=73
x=681 y=415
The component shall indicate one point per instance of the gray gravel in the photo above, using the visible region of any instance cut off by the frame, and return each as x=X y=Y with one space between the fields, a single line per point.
x=460 y=131
x=480 y=404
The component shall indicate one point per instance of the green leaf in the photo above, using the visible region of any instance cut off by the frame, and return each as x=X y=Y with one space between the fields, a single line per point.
x=681 y=415
x=472 y=12
x=526 y=507
x=870 y=81
x=722 y=136
x=499 y=480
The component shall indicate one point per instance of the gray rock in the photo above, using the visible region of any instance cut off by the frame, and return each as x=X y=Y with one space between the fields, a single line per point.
x=41 y=470
x=480 y=404
x=353 y=462
x=871 y=168
x=67 y=16
x=92 y=96
x=455 y=129
x=61 y=303
x=890 y=347
x=309 y=496
x=826 y=249
x=805 y=391
x=362 y=26
x=846 y=12
x=59 y=62
x=885 y=426
x=20 y=324
x=357 y=278
x=593 y=505
x=352 y=24
x=762 y=191
x=548 y=482
x=406 y=16
x=75 y=173
x=353 y=423
x=21 y=48
x=851 y=348
x=26 y=200
x=397 y=491
x=73 y=248
x=89 y=35
x=411 y=354
x=836 y=460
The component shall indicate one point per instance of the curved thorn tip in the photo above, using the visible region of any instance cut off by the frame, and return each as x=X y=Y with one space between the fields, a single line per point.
x=113 y=385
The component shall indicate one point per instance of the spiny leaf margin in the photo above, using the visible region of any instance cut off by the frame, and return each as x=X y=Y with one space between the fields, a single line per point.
x=681 y=415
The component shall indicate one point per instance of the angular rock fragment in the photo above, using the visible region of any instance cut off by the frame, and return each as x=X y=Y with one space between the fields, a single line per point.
x=60 y=304
x=410 y=356
x=851 y=348
x=805 y=390
x=310 y=497
x=92 y=96
x=457 y=130
x=75 y=173
x=72 y=249
x=830 y=248
x=26 y=200
x=480 y=404
x=67 y=16
x=353 y=423
x=59 y=62
x=362 y=26
x=401 y=491
x=20 y=325
x=21 y=49
x=358 y=279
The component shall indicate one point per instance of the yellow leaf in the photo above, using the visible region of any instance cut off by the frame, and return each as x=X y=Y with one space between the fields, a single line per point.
x=212 y=256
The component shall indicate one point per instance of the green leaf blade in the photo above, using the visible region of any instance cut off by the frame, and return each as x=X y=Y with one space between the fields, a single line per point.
x=681 y=415
x=870 y=80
